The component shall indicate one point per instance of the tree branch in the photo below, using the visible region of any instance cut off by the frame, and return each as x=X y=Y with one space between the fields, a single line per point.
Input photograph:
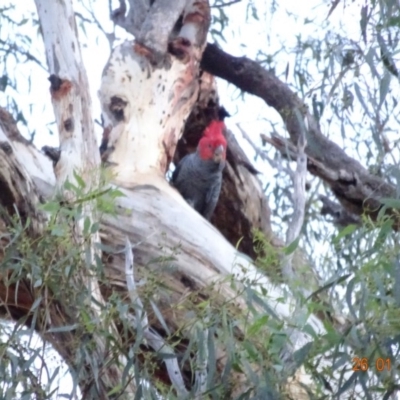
x=357 y=189
x=341 y=217
x=69 y=91
x=157 y=27
x=133 y=20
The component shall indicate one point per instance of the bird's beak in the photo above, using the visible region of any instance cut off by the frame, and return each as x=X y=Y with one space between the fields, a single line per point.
x=219 y=153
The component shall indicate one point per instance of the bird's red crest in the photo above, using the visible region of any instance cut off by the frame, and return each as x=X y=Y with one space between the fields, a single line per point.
x=212 y=141
x=215 y=128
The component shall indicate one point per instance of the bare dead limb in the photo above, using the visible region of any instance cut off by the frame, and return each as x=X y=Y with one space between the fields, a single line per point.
x=357 y=189
x=299 y=202
x=340 y=216
x=343 y=182
x=72 y=105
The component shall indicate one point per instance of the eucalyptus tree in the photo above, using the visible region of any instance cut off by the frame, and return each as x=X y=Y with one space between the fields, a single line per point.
x=142 y=297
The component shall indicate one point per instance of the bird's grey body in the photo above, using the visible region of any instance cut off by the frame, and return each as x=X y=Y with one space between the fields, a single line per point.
x=199 y=182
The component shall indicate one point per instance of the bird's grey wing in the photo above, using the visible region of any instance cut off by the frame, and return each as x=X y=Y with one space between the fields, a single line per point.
x=211 y=199
x=177 y=169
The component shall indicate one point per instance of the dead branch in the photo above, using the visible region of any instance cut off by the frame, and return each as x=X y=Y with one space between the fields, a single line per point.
x=356 y=189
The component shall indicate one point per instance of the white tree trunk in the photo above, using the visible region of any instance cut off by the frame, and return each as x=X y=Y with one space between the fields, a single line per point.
x=79 y=155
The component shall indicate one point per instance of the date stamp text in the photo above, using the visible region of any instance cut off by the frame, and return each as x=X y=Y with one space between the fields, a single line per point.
x=363 y=364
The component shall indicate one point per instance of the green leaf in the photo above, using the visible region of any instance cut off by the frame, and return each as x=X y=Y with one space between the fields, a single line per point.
x=29 y=362
x=301 y=354
x=3 y=83
x=51 y=207
x=70 y=186
x=38 y=282
x=36 y=303
x=394 y=21
x=363 y=22
x=160 y=317
x=116 y=389
x=212 y=357
x=348 y=384
x=257 y=325
x=384 y=232
x=79 y=180
x=390 y=202
x=332 y=282
x=94 y=228
x=360 y=98
x=346 y=231
x=58 y=231
x=349 y=293
x=384 y=87
x=86 y=225
x=292 y=246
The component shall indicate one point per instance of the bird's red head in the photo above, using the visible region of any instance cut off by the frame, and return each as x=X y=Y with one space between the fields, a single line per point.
x=214 y=128
x=212 y=145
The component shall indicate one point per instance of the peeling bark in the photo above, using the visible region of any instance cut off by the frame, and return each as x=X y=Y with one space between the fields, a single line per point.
x=18 y=159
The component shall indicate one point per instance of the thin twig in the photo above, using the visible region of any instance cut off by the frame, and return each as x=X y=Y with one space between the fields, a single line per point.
x=154 y=340
x=299 y=190
x=27 y=54
x=109 y=36
x=141 y=316
x=229 y=3
x=257 y=150
x=263 y=153
x=292 y=234
x=202 y=361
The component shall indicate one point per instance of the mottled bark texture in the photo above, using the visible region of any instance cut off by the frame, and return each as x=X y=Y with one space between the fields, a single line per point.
x=148 y=90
